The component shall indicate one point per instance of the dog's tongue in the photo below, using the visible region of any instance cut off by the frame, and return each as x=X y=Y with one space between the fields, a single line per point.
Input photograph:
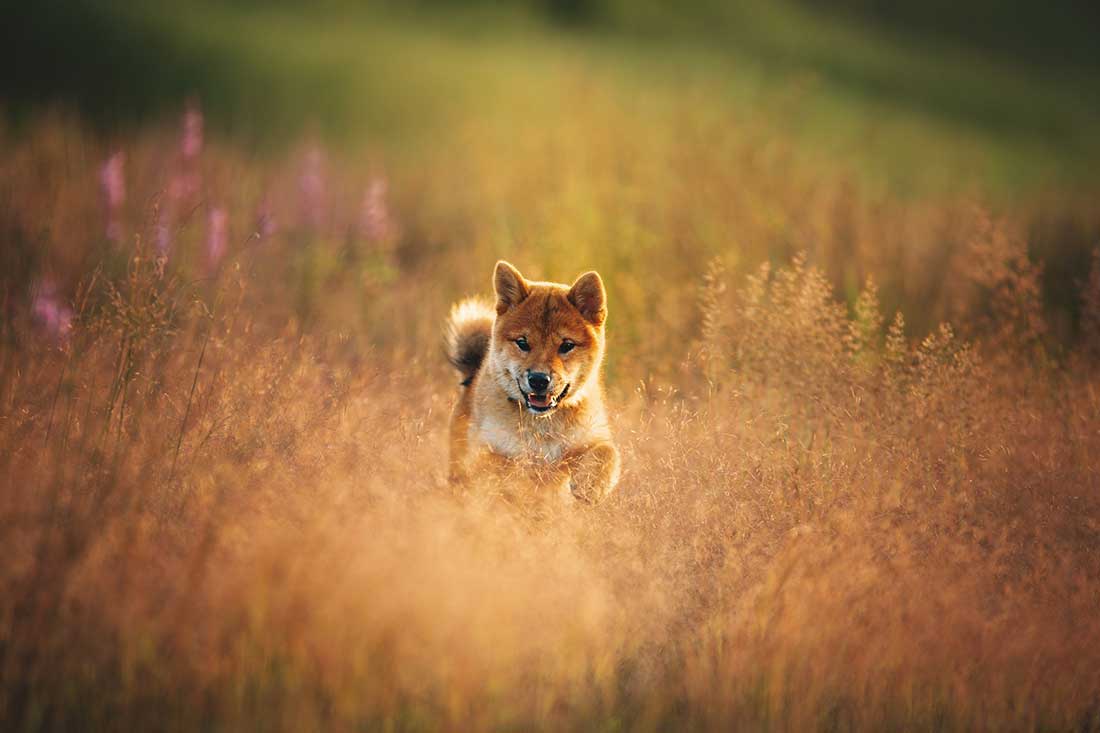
x=538 y=400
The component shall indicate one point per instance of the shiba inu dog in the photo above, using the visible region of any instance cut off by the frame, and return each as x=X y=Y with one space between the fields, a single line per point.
x=532 y=402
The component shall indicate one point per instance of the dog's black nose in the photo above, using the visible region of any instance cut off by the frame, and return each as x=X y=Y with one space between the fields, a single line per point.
x=539 y=381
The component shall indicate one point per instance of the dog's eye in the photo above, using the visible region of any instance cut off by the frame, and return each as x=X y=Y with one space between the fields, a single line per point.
x=566 y=347
x=521 y=342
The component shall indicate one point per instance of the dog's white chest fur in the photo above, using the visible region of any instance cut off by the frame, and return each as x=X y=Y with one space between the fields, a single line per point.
x=546 y=439
x=514 y=437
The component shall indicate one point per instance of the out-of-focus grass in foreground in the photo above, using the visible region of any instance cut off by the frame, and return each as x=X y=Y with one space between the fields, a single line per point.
x=223 y=401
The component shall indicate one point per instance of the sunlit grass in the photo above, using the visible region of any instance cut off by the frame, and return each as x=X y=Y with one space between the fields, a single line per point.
x=224 y=503
x=223 y=397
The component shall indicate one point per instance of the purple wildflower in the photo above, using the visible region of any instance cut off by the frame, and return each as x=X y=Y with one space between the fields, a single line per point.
x=51 y=312
x=217 y=236
x=113 y=184
x=312 y=188
x=191 y=140
x=187 y=178
x=164 y=238
x=374 y=215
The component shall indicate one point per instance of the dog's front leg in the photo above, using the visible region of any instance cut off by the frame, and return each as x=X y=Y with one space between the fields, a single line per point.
x=594 y=471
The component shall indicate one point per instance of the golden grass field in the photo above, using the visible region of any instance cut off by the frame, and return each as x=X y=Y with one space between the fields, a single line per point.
x=223 y=439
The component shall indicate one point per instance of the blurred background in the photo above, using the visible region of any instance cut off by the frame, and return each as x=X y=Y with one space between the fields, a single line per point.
x=645 y=138
x=918 y=94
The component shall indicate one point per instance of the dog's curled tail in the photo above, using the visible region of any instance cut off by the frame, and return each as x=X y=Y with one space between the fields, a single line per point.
x=467 y=332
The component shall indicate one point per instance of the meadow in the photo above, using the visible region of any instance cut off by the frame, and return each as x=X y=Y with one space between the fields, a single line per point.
x=852 y=367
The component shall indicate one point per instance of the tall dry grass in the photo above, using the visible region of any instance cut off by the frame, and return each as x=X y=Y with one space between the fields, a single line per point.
x=223 y=502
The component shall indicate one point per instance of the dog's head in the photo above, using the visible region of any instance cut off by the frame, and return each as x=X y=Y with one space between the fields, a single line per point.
x=548 y=338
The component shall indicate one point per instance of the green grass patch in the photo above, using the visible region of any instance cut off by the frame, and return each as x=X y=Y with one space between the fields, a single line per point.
x=911 y=111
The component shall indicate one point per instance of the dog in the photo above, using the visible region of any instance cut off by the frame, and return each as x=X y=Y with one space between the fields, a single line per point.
x=532 y=402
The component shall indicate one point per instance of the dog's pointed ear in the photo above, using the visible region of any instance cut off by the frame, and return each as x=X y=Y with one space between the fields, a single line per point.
x=588 y=295
x=510 y=287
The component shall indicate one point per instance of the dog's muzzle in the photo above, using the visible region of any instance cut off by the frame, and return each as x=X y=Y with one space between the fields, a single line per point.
x=540 y=404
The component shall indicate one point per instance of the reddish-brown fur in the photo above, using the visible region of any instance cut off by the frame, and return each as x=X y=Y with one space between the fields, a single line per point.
x=495 y=432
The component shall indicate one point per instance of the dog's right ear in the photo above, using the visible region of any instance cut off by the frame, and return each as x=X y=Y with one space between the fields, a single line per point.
x=510 y=287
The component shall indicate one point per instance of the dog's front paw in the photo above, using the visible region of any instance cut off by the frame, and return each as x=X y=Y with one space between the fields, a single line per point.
x=594 y=473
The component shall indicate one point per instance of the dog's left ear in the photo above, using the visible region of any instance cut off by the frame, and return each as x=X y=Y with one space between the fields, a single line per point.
x=588 y=295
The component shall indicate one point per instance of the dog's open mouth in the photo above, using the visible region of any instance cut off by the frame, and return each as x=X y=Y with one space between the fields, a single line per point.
x=541 y=403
